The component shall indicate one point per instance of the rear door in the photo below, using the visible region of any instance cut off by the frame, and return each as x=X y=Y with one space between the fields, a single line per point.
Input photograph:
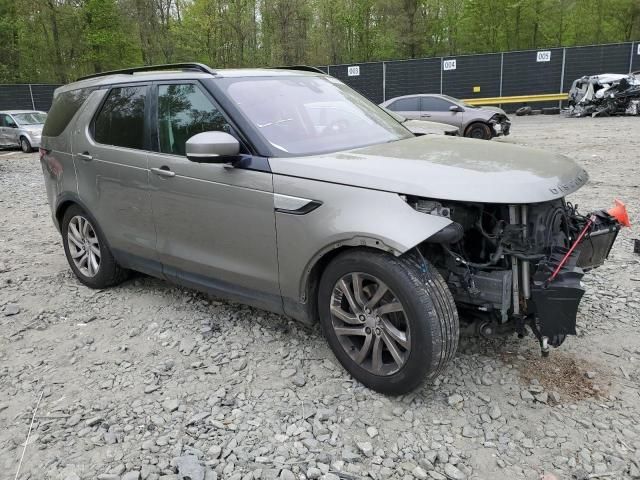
x=438 y=110
x=215 y=223
x=408 y=107
x=110 y=150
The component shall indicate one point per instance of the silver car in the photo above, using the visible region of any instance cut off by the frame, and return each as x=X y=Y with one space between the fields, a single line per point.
x=21 y=128
x=288 y=191
x=475 y=122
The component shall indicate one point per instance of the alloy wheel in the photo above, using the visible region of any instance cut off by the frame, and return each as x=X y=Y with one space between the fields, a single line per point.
x=84 y=246
x=370 y=323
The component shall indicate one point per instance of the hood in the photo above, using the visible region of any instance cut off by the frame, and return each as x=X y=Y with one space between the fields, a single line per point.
x=33 y=128
x=494 y=109
x=446 y=168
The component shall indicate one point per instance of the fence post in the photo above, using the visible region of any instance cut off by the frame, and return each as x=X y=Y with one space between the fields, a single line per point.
x=631 y=57
x=384 y=82
x=501 y=73
x=33 y=104
x=564 y=56
x=441 y=70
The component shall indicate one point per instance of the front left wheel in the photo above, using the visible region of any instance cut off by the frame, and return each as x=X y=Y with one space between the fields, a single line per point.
x=390 y=321
x=87 y=251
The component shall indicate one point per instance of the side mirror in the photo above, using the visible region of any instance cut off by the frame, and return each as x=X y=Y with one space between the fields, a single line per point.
x=456 y=108
x=212 y=147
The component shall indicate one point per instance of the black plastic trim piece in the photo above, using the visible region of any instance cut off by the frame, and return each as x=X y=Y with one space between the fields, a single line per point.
x=302 y=68
x=152 y=68
x=309 y=207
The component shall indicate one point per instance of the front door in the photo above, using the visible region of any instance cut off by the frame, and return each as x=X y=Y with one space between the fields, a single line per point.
x=215 y=223
x=438 y=110
x=408 y=107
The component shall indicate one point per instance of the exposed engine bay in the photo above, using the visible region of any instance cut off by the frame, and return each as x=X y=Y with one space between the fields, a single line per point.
x=515 y=266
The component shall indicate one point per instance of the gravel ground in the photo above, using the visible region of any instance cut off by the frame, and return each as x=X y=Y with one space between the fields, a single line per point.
x=149 y=380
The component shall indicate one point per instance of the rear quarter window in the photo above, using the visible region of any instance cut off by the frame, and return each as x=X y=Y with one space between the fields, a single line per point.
x=65 y=105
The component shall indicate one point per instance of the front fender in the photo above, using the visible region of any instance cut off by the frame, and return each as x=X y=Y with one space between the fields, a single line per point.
x=348 y=216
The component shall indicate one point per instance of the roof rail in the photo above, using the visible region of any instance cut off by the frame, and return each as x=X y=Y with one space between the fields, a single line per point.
x=152 y=68
x=303 y=68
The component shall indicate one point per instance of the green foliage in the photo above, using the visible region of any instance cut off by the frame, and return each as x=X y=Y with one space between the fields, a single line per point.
x=59 y=40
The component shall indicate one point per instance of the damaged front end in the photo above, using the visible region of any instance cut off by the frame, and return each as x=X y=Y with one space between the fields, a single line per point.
x=605 y=95
x=515 y=266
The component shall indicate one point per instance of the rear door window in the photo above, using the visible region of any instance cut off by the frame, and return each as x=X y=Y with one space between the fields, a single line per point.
x=65 y=105
x=120 y=121
x=184 y=111
x=405 y=105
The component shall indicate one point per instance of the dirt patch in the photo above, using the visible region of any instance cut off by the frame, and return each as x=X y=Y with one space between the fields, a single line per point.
x=561 y=372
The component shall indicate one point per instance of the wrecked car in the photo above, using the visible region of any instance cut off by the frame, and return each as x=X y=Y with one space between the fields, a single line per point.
x=289 y=191
x=605 y=95
x=424 y=127
x=482 y=123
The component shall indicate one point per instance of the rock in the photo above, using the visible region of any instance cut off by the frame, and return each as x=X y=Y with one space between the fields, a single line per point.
x=287 y=475
x=590 y=375
x=239 y=364
x=526 y=395
x=437 y=475
x=455 y=400
x=189 y=468
x=453 y=472
x=372 y=432
x=419 y=473
x=299 y=380
x=495 y=412
x=554 y=396
x=170 y=405
x=133 y=475
x=11 y=309
x=187 y=344
x=468 y=431
x=288 y=372
x=214 y=451
x=72 y=476
x=542 y=397
x=93 y=421
x=151 y=388
x=73 y=420
x=314 y=473
x=366 y=448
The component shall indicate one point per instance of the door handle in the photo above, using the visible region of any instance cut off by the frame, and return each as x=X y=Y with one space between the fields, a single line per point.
x=85 y=156
x=424 y=115
x=163 y=172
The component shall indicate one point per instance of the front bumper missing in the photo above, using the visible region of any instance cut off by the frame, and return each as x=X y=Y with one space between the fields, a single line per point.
x=556 y=302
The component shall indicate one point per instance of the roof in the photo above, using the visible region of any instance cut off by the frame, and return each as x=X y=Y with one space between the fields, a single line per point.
x=181 y=72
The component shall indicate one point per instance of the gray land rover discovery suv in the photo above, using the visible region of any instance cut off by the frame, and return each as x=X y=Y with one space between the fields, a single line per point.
x=288 y=191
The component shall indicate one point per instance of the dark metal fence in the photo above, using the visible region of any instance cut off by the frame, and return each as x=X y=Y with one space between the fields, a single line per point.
x=26 y=96
x=527 y=72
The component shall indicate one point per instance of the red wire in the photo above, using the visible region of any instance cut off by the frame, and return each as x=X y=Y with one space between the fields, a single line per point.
x=573 y=247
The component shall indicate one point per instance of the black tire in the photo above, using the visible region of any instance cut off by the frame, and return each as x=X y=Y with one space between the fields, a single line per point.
x=25 y=146
x=431 y=316
x=478 y=130
x=109 y=272
x=522 y=111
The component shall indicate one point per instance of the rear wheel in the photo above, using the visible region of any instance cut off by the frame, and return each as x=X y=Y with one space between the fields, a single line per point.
x=25 y=145
x=87 y=252
x=478 y=130
x=391 y=322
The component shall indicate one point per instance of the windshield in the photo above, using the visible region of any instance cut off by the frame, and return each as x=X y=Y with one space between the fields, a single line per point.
x=458 y=101
x=31 y=118
x=311 y=115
